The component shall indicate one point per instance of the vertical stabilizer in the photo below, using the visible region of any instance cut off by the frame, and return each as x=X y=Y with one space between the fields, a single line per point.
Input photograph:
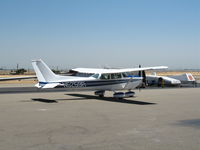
x=43 y=72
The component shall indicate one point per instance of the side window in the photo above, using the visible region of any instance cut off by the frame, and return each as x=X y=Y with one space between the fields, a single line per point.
x=119 y=75
x=105 y=76
x=112 y=76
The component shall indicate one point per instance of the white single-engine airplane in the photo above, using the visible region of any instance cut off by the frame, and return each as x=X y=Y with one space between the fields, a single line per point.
x=102 y=79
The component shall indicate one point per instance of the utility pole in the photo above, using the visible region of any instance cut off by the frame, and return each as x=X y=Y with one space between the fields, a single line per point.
x=17 y=66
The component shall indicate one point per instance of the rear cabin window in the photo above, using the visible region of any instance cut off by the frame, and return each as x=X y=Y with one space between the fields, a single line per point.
x=95 y=76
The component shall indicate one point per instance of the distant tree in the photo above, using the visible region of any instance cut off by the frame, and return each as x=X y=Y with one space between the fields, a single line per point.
x=20 y=71
x=56 y=71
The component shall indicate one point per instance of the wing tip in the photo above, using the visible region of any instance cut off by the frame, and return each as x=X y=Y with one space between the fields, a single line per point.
x=36 y=60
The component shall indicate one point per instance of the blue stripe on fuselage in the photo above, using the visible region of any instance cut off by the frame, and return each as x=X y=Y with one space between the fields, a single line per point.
x=91 y=83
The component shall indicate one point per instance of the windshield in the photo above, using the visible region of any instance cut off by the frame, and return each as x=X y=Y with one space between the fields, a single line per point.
x=124 y=74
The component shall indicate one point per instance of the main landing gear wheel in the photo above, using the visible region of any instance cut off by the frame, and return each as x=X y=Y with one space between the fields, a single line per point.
x=100 y=93
x=121 y=95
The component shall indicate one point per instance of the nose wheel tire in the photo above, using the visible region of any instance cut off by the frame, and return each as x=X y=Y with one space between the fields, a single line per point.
x=121 y=95
x=102 y=95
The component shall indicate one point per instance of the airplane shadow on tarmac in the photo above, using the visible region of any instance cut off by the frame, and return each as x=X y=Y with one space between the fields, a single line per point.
x=195 y=123
x=44 y=100
x=111 y=99
x=88 y=97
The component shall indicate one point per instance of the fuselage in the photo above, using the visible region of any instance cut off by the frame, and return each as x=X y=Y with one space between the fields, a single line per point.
x=90 y=83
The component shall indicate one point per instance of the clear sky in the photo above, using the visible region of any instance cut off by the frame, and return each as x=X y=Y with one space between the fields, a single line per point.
x=97 y=33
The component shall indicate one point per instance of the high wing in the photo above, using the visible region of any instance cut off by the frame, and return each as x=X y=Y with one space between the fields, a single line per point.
x=95 y=71
x=17 y=78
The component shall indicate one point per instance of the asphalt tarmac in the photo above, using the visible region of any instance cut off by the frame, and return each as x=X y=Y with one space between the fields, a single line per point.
x=17 y=90
x=156 y=119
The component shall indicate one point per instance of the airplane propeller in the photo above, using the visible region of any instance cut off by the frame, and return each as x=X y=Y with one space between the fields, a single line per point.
x=142 y=74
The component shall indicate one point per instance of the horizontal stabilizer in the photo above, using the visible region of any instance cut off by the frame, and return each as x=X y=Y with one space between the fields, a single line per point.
x=48 y=85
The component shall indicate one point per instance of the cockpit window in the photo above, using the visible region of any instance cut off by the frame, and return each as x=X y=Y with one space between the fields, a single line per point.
x=111 y=76
x=124 y=74
x=95 y=76
x=116 y=76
